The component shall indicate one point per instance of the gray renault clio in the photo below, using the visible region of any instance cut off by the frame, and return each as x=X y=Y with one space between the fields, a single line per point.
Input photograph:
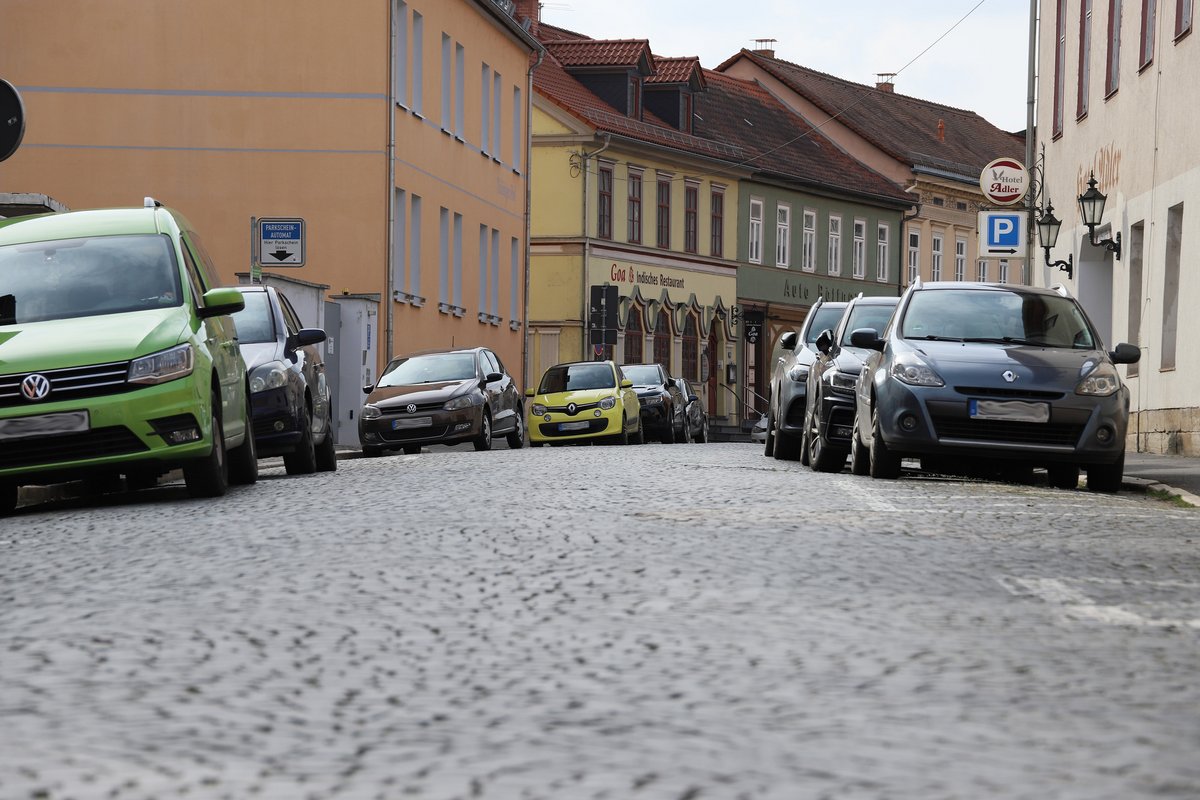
x=971 y=372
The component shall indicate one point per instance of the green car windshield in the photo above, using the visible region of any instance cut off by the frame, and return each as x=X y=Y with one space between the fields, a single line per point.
x=87 y=277
x=997 y=316
x=255 y=323
x=577 y=377
x=434 y=368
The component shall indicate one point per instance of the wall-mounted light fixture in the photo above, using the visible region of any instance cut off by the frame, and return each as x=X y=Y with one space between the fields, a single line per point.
x=1048 y=227
x=1091 y=208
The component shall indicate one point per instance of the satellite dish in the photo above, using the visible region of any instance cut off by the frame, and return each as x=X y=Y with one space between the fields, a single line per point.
x=12 y=119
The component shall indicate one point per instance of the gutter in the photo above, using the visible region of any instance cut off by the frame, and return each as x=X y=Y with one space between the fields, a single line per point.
x=389 y=237
x=541 y=55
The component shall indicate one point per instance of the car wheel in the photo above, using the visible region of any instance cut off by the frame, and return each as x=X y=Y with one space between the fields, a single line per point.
x=883 y=462
x=303 y=460
x=1063 y=476
x=681 y=435
x=638 y=436
x=623 y=436
x=823 y=457
x=484 y=440
x=243 y=459
x=1106 y=477
x=668 y=436
x=209 y=476
x=769 y=442
x=326 y=453
x=702 y=434
x=516 y=439
x=803 y=445
x=9 y=493
x=860 y=459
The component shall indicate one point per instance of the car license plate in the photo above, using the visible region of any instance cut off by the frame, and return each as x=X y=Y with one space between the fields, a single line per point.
x=1010 y=410
x=572 y=426
x=44 y=425
x=411 y=422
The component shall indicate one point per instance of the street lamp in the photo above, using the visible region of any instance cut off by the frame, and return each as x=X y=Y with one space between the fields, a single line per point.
x=1048 y=227
x=1091 y=208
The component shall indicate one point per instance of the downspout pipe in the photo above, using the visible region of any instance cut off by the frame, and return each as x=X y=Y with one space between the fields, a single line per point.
x=541 y=55
x=389 y=238
x=1030 y=199
x=902 y=246
x=587 y=249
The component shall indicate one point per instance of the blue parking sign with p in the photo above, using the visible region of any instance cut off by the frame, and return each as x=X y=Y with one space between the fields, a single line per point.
x=1004 y=230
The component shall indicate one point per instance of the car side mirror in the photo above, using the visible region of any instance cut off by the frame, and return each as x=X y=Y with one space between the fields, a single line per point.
x=693 y=398
x=866 y=338
x=222 y=301
x=1126 y=354
x=492 y=377
x=368 y=389
x=530 y=392
x=788 y=340
x=626 y=383
x=305 y=337
x=825 y=341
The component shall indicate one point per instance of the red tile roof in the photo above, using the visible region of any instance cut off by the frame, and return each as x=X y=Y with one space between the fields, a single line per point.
x=904 y=127
x=779 y=144
x=676 y=70
x=601 y=52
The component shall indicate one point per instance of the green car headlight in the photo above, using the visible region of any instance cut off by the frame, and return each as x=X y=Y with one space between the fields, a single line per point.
x=268 y=376
x=537 y=410
x=167 y=365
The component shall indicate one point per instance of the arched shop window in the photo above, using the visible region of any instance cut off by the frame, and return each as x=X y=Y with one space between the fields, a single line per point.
x=634 y=337
x=662 y=339
x=691 y=349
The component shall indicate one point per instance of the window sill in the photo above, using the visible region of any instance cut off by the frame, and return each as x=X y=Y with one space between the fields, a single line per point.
x=1183 y=34
x=416 y=114
x=1111 y=93
x=1145 y=66
x=447 y=308
x=1080 y=117
x=514 y=325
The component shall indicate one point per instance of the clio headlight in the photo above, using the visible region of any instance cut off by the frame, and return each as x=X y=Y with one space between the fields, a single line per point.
x=268 y=376
x=1100 y=382
x=914 y=372
x=164 y=366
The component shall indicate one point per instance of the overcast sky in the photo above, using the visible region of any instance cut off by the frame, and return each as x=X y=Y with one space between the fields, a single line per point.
x=982 y=65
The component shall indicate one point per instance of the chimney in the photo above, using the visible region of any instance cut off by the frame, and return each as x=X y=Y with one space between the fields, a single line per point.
x=883 y=82
x=529 y=10
x=941 y=130
x=764 y=47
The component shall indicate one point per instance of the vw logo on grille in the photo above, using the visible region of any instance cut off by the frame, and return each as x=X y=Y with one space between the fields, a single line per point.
x=1009 y=375
x=411 y=408
x=571 y=409
x=35 y=387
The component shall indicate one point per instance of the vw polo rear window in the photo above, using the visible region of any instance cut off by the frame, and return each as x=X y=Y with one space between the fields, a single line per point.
x=87 y=277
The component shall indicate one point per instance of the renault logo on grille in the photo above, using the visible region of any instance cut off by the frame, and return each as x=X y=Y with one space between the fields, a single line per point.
x=1009 y=375
x=35 y=387
x=411 y=408
x=571 y=409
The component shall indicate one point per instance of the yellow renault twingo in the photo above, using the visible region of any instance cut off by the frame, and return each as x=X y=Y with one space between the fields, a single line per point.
x=581 y=402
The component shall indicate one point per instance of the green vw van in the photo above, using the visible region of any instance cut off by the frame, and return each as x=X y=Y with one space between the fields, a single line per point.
x=117 y=355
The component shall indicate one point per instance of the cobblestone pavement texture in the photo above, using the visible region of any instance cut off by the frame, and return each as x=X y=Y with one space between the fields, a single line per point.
x=665 y=621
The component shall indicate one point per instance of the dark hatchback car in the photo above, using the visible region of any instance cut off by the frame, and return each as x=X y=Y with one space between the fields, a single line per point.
x=289 y=397
x=970 y=373
x=788 y=395
x=832 y=379
x=660 y=400
x=695 y=417
x=443 y=397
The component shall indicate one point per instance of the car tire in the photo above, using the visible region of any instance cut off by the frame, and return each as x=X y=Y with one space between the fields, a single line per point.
x=883 y=462
x=702 y=434
x=484 y=440
x=769 y=441
x=638 y=436
x=516 y=439
x=1063 y=476
x=1106 y=477
x=208 y=476
x=681 y=435
x=668 y=436
x=822 y=456
x=302 y=460
x=804 y=443
x=326 y=451
x=9 y=494
x=860 y=459
x=243 y=459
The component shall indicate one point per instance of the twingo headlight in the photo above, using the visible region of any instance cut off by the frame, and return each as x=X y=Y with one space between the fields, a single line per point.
x=842 y=382
x=370 y=412
x=537 y=410
x=1100 y=382
x=915 y=372
x=798 y=373
x=268 y=376
x=462 y=401
x=164 y=366
x=608 y=403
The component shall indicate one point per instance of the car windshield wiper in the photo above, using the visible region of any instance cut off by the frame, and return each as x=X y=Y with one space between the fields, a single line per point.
x=934 y=338
x=1008 y=340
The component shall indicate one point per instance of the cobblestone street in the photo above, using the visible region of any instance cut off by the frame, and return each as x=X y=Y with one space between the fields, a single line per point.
x=682 y=622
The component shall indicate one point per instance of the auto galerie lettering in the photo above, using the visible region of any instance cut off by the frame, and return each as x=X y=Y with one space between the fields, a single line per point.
x=644 y=277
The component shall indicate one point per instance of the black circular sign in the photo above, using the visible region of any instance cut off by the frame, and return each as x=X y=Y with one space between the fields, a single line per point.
x=12 y=119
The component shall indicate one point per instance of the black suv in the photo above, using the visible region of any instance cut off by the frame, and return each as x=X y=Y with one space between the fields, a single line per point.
x=662 y=404
x=789 y=380
x=832 y=379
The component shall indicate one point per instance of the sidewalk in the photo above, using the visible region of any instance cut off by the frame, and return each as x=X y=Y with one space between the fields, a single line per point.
x=1177 y=476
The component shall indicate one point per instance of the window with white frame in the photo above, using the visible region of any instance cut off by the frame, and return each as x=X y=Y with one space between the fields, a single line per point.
x=517 y=140
x=835 y=245
x=756 y=231
x=1004 y=270
x=882 y=255
x=935 y=267
x=485 y=110
x=783 y=235
x=460 y=62
x=399 y=243
x=497 y=88
x=981 y=270
x=960 y=259
x=418 y=60
x=859 y=255
x=914 y=256
x=514 y=279
x=401 y=61
x=458 y=259
x=808 y=244
x=494 y=306
x=414 y=247
x=447 y=83
x=483 y=269
x=444 y=256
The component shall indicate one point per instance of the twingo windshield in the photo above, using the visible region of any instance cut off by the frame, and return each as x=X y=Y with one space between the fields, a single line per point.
x=87 y=277
x=433 y=368
x=826 y=318
x=255 y=323
x=997 y=316
x=577 y=377
x=644 y=375
x=867 y=316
